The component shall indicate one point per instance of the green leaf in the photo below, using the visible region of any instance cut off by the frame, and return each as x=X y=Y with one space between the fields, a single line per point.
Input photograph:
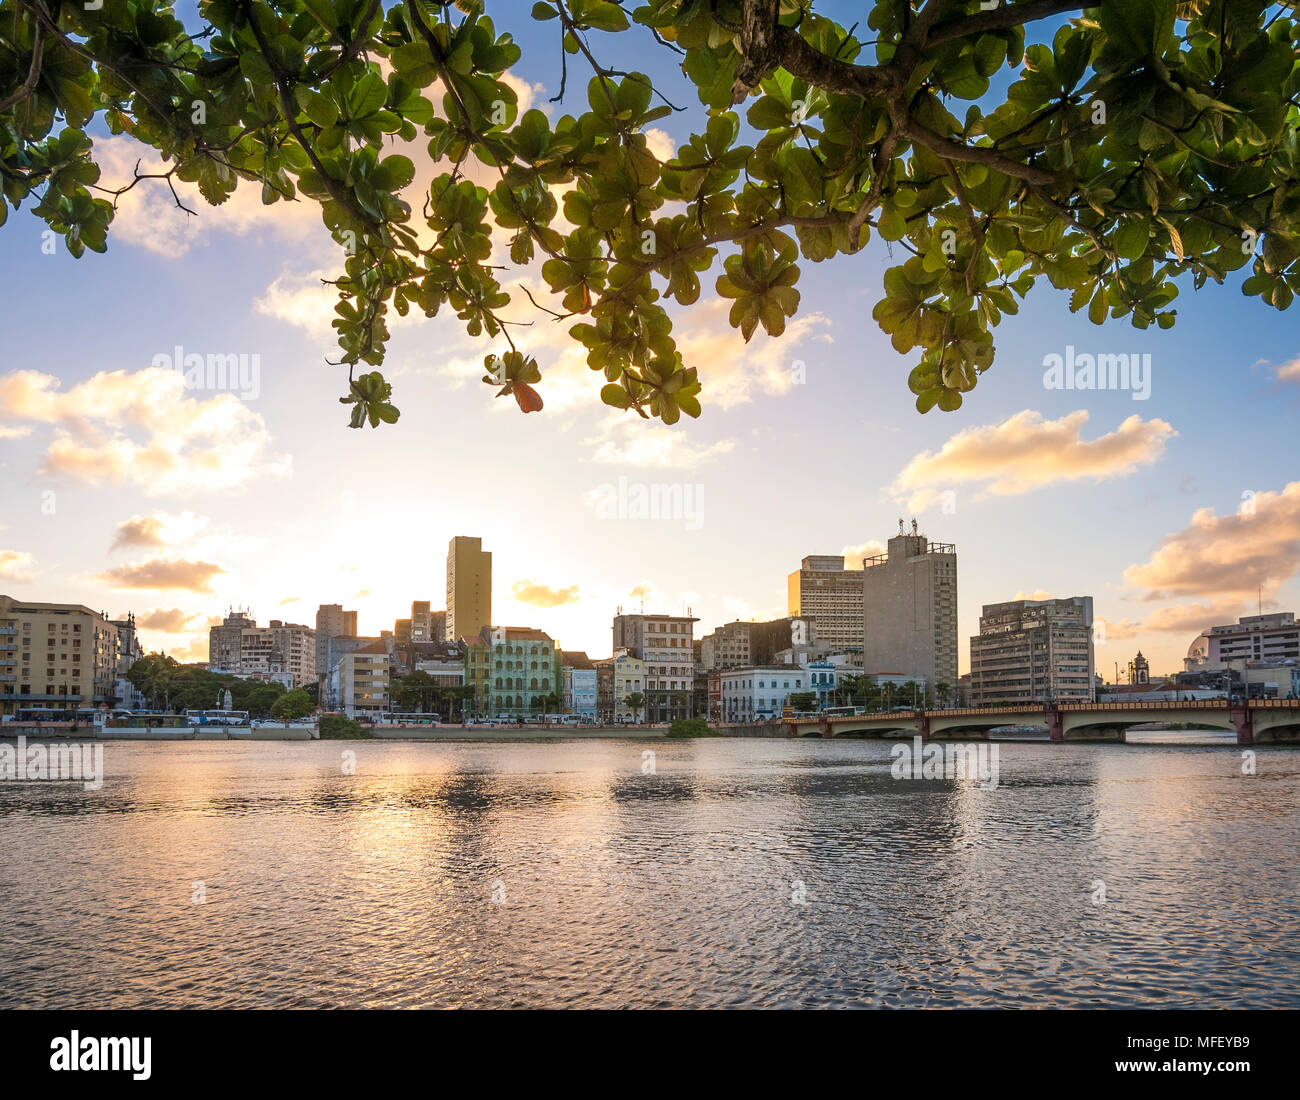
x=616 y=396
x=1130 y=239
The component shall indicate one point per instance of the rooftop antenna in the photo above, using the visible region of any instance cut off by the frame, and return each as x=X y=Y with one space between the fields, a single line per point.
x=913 y=525
x=900 y=525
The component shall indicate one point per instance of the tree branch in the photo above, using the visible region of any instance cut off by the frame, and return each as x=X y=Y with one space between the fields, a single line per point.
x=975 y=154
x=33 y=73
x=1008 y=15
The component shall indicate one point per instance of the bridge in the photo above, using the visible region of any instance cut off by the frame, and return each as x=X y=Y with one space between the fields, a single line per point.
x=1255 y=721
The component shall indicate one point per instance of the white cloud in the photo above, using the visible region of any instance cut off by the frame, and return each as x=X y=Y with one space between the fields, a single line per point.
x=147 y=215
x=1227 y=557
x=17 y=566
x=731 y=372
x=160 y=529
x=1026 y=452
x=1289 y=372
x=141 y=428
x=628 y=442
x=302 y=300
x=853 y=555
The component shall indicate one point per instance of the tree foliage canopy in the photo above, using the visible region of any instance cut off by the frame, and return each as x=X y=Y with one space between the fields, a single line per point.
x=165 y=681
x=1141 y=141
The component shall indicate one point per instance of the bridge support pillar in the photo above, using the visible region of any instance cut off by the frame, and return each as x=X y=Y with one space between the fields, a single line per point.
x=824 y=724
x=1055 y=724
x=1241 y=719
x=923 y=726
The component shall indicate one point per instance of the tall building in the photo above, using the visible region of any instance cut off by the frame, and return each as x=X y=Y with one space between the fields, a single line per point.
x=331 y=622
x=737 y=644
x=225 y=640
x=663 y=643
x=423 y=628
x=909 y=607
x=279 y=647
x=238 y=645
x=726 y=647
x=1255 y=638
x=358 y=683
x=1033 y=651
x=469 y=587
x=55 y=655
x=823 y=590
x=340 y=645
x=427 y=625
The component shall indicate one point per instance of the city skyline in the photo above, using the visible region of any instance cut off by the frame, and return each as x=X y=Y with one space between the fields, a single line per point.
x=125 y=489
x=183 y=631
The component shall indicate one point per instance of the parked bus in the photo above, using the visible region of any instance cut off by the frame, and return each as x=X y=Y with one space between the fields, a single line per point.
x=409 y=718
x=55 y=714
x=216 y=717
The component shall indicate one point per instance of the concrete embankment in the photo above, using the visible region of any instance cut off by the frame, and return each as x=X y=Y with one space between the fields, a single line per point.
x=533 y=733
x=50 y=731
x=511 y=733
x=755 y=729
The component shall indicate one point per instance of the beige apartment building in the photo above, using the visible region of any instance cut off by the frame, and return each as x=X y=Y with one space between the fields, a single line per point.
x=331 y=622
x=1033 y=651
x=739 y=644
x=225 y=640
x=909 y=608
x=664 y=644
x=823 y=590
x=469 y=588
x=358 y=683
x=618 y=677
x=239 y=646
x=55 y=655
x=428 y=625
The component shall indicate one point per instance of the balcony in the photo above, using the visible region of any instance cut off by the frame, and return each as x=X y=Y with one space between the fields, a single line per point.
x=33 y=697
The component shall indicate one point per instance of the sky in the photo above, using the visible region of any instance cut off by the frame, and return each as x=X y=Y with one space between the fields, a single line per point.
x=124 y=490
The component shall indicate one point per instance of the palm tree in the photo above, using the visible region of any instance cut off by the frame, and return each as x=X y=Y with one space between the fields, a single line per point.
x=551 y=702
x=635 y=701
x=849 y=684
x=944 y=691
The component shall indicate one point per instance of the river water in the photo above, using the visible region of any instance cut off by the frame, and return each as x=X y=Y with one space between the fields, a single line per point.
x=718 y=873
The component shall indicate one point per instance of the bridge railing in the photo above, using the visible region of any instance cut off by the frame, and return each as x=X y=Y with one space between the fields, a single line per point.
x=1041 y=708
x=1149 y=704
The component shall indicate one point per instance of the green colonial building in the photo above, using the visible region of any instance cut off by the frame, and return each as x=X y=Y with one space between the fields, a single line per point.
x=524 y=669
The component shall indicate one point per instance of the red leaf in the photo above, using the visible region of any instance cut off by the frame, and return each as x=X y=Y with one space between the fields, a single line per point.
x=529 y=399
